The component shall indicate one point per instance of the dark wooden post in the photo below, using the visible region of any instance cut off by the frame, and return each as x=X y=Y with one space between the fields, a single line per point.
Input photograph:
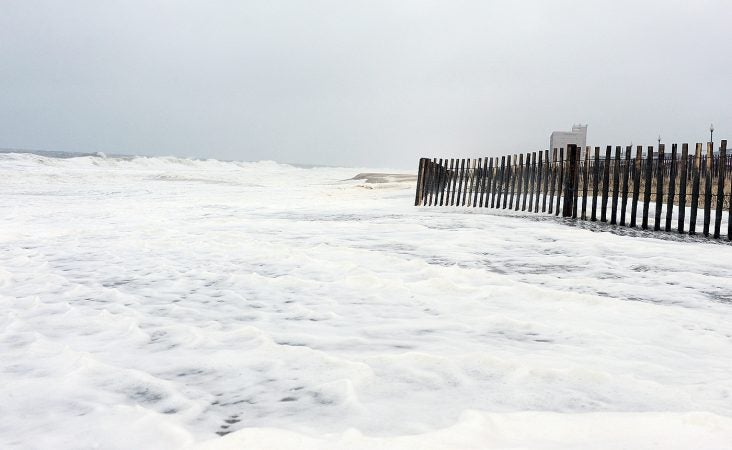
x=722 y=168
x=661 y=158
x=427 y=181
x=647 y=187
x=440 y=182
x=560 y=178
x=547 y=175
x=695 y=188
x=605 y=183
x=576 y=181
x=585 y=180
x=431 y=181
x=616 y=186
x=539 y=170
x=527 y=177
x=671 y=188
x=626 y=179
x=532 y=182
x=507 y=181
x=477 y=180
x=512 y=193
x=483 y=180
x=552 y=181
x=708 y=188
x=683 y=163
x=461 y=175
x=570 y=178
x=496 y=200
x=420 y=179
x=466 y=182
x=636 y=184
x=451 y=183
x=519 y=181
x=595 y=183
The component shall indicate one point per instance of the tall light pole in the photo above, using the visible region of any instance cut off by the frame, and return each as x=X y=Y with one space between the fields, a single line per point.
x=711 y=134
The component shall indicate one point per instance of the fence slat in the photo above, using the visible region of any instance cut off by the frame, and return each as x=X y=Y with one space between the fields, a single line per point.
x=722 y=168
x=560 y=179
x=484 y=181
x=695 y=189
x=585 y=180
x=636 y=184
x=518 y=181
x=427 y=181
x=532 y=182
x=683 y=175
x=461 y=175
x=477 y=180
x=616 y=186
x=671 y=188
x=432 y=176
x=441 y=174
x=708 y=188
x=605 y=183
x=526 y=176
x=539 y=170
x=575 y=181
x=501 y=182
x=595 y=183
x=468 y=183
x=507 y=181
x=626 y=179
x=661 y=159
x=546 y=179
x=420 y=179
x=512 y=186
x=648 y=179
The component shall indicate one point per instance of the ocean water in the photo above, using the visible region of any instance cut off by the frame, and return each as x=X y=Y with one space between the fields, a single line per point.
x=173 y=303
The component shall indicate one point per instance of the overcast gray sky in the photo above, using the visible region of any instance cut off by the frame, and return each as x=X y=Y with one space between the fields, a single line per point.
x=359 y=82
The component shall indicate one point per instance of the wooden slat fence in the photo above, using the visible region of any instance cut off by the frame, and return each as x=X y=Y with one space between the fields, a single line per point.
x=660 y=189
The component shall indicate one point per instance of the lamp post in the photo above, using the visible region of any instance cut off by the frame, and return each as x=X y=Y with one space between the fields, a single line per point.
x=711 y=134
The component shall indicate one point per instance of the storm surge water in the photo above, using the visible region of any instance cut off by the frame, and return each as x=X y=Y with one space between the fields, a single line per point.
x=170 y=303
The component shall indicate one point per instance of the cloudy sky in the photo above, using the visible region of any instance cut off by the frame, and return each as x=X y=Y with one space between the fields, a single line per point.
x=359 y=82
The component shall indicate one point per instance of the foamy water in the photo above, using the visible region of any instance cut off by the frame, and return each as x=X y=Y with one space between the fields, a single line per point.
x=165 y=303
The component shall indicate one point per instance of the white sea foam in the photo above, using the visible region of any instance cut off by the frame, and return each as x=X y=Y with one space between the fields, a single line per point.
x=162 y=302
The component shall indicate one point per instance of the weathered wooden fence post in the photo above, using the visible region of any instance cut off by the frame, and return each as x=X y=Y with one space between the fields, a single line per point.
x=616 y=187
x=420 y=179
x=626 y=179
x=647 y=187
x=595 y=183
x=539 y=171
x=570 y=179
x=560 y=179
x=695 y=189
x=527 y=177
x=722 y=165
x=585 y=180
x=683 y=175
x=532 y=182
x=661 y=158
x=605 y=183
x=519 y=180
x=708 y=188
x=636 y=184
x=671 y=189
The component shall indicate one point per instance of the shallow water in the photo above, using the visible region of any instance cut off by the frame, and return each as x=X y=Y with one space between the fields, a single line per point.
x=160 y=302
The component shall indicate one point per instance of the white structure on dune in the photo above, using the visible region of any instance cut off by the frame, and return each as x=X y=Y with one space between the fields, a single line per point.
x=560 y=139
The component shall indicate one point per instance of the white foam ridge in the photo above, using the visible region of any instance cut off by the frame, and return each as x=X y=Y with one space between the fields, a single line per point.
x=175 y=303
